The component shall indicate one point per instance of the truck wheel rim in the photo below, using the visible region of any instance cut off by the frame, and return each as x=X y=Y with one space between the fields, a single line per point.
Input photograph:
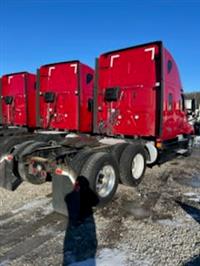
x=137 y=166
x=105 y=181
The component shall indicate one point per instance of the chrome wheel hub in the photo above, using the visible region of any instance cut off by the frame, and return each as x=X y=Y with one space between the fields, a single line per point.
x=105 y=181
x=137 y=166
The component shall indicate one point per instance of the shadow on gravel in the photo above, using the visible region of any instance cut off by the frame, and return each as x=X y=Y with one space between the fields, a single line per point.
x=195 y=261
x=192 y=211
x=195 y=214
x=80 y=241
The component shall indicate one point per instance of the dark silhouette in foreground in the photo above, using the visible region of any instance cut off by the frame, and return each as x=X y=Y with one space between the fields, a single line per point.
x=80 y=241
x=192 y=211
x=195 y=261
x=195 y=214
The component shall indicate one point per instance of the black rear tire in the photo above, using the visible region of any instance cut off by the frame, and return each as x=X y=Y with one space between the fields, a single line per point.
x=79 y=160
x=118 y=149
x=23 y=169
x=102 y=182
x=132 y=165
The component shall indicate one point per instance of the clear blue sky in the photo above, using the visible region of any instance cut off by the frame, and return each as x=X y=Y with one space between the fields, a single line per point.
x=36 y=32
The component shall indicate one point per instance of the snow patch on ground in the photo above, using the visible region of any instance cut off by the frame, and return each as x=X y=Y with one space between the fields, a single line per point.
x=47 y=209
x=173 y=223
x=38 y=203
x=109 y=257
x=192 y=196
x=43 y=204
x=189 y=194
x=106 y=257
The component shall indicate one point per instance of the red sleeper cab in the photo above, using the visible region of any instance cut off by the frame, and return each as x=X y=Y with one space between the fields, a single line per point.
x=18 y=95
x=65 y=96
x=139 y=93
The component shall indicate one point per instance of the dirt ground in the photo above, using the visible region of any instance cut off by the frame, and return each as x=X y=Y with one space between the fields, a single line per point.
x=155 y=224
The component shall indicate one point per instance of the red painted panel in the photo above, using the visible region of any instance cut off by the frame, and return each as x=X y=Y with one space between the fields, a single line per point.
x=174 y=116
x=62 y=81
x=149 y=103
x=1 y=114
x=31 y=100
x=86 y=98
x=134 y=72
x=66 y=83
x=15 y=101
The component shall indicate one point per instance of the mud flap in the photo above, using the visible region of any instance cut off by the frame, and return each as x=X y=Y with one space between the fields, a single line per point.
x=7 y=178
x=10 y=177
x=61 y=186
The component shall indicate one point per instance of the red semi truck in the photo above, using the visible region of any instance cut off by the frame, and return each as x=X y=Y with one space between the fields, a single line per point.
x=18 y=96
x=139 y=120
x=59 y=102
x=65 y=96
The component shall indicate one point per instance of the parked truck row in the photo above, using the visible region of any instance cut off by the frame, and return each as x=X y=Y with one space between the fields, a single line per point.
x=105 y=125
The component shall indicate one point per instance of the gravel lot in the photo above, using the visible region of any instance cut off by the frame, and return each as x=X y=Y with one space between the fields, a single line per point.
x=156 y=224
